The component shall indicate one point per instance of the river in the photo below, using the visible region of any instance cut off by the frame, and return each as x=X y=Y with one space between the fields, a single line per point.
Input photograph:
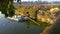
x=14 y=27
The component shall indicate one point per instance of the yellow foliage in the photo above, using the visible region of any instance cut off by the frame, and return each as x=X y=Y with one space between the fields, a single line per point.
x=31 y=9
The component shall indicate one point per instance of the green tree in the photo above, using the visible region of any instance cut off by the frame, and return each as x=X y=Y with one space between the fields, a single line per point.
x=6 y=7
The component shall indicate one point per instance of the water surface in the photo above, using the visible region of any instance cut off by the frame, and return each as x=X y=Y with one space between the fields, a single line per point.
x=14 y=27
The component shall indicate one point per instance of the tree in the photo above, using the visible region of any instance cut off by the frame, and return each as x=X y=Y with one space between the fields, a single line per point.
x=36 y=12
x=55 y=27
x=6 y=7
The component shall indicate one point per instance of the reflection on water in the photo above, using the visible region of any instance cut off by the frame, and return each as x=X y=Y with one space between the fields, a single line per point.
x=1 y=15
x=13 y=27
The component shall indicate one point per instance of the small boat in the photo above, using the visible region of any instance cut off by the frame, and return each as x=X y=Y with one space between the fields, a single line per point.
x=10 y=18
x=18 y=18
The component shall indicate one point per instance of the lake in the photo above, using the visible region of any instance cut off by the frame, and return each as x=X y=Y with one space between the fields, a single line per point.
x=14 y=27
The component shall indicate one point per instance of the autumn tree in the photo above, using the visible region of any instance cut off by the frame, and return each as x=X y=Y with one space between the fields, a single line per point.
x=54 y=28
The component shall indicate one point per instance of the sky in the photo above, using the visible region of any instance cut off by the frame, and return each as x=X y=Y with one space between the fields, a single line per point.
x=50 y=0
x=41 y=0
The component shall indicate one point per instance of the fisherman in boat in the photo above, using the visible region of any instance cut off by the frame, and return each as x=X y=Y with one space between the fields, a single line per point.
x=27 y=14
